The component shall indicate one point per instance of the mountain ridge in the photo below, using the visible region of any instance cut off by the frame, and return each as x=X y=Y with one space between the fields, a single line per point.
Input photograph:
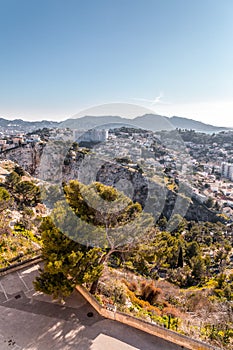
x=152 y=122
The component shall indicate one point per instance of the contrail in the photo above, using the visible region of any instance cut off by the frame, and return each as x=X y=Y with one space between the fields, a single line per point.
x=156 y=100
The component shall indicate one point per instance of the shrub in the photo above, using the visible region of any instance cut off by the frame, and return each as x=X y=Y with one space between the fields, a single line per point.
x=173 y=312
x=149 y=292
x=142 y=303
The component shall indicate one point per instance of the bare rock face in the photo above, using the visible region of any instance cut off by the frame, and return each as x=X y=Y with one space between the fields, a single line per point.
x=27 y=156
x=196 y=211
x=71 y=166
x=199 y=212
x=132 y=183
x=53 y=163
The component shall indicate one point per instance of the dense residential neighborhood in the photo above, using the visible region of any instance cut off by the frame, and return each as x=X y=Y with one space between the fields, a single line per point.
x=116 y=175
x=171 y=178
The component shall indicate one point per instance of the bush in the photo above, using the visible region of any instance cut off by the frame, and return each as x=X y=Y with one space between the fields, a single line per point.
x=117 y=291
x=142 y=304
x=173 y=312
x=149 y=292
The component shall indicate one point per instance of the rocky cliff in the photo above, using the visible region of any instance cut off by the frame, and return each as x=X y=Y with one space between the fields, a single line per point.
x=28 y=156
x=54 y=163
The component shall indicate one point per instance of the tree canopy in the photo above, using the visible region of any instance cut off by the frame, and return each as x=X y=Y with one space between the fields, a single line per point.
x=92 y=223
x=66 y=262
x=4 y=199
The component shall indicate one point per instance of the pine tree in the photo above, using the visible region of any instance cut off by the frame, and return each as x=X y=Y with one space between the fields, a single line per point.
x=120 y=221
x=27 y=192
x=180 y=262
x=12 y=180
x=5 y=199
x=66 y=262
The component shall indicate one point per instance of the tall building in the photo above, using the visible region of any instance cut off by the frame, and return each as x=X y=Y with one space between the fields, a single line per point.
x=92 y=135
x=227 y=170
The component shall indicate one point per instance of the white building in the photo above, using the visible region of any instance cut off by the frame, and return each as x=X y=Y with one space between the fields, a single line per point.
x=93 y=135
x=227 y=170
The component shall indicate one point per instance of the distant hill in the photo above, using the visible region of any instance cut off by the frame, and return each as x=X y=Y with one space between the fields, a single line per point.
x=185 y=123
x=89 y=122
x=152 y=122
x=25 y=126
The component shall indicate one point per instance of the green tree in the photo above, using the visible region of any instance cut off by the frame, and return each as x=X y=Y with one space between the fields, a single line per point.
x=55 y=284
x=180 y=262
x=167 y=249
x=155 y=250
x=162 y=223
x=27 y=192
x=12 y=180
x=75 y=146
x=19 y=170
x=198 y=269
x=5 y=202
x=66 y=262
x=5 y=199
x=192 y=250
x=27 y=218
x=51 y=195
x=122 y=222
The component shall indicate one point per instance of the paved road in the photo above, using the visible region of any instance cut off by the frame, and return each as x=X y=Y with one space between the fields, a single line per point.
x=31 y=321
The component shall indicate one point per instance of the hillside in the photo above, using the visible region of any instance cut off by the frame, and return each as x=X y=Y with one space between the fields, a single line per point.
x=20 y=215
x=185 y=123
x=152 y=122
x=25 y=126
x=180 y=279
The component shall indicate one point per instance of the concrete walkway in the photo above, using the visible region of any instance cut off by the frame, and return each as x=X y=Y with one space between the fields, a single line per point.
x=31 y=321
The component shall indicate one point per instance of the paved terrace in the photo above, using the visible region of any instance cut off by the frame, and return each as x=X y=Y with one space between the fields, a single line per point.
x=32 y=321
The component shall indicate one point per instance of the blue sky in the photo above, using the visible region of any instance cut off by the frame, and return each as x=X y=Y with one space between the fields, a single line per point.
x=58 y=57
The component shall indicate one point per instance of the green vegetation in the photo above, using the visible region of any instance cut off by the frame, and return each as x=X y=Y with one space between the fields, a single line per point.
x=122 y=256
x=4 y=199
x=112 y=228
x=66 y=263
x=17 y=247
x=19 y=218
x=194 y=260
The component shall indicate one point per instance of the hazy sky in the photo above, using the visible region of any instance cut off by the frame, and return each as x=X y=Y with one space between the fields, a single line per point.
x=58 y=57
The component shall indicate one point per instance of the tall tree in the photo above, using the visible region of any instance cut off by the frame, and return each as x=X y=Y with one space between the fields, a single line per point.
x=5 y=202
x=198 y=269
x=66 y=262
x=180 y=262
x=121 y=221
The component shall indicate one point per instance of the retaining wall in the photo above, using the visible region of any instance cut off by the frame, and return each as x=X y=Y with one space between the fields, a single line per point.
x=131 y=321
x=144 y=326
x=20 y=265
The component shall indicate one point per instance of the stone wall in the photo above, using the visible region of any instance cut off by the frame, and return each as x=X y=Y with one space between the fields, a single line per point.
x=144 y=326
x=20 y=265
